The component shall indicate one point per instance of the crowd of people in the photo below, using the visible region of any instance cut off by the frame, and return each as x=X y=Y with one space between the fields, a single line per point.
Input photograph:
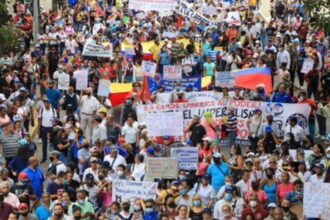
x=62 y=150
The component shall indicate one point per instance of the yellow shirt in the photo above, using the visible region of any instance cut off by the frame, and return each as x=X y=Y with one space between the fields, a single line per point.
x=155 y=51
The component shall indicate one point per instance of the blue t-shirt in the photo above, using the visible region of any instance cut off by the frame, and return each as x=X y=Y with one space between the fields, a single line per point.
x=37 y=178
x=218 y=174
x=151 y=216
x=43 y=213
x=54 y=96
x=282 y=98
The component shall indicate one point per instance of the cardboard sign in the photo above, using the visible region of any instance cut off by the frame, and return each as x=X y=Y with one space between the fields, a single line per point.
x=81 y=79
x=187 y=156
x=94 y=50
x=63 y=81
x=162 y=167
x=123 y=190
x=172 y=72
x=225 y=79
x=316 y=200
x=104 y=88
x=165 y=124
x=149 y=68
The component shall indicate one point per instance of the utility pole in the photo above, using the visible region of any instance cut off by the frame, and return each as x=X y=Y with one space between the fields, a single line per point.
x=35 y=4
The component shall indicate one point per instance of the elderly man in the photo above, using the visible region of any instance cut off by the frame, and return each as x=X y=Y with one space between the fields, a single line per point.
x=9 y=197
x=89 y=105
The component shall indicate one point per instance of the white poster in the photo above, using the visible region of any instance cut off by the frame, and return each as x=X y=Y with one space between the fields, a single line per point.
x=244 y=110
x=233 y=18
x=162 y=167
x=63 y=81
x=307 y=65
x=123 y=190
x=104 y=88
x=164 y=123
x=172 y=72
x=94 y=50
x=187 y=157
x=149 y=68
x=81 y=77
x=316 y=199
x=149 y=5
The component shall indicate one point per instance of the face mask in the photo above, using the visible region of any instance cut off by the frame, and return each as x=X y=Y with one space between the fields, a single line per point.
x=286 y=209
x=227 y=215
x=217 y=160
x=300 y=99
x=253 y=203
x=81 y=202
x=228 y=197
x=149 y=210
x=183 y=192
x=172 y=205
x=182 y=177
x=227 y=183
x=197 y=203
x=120 y=173
x=328 y=156
x=64 y=204
x=269 y=176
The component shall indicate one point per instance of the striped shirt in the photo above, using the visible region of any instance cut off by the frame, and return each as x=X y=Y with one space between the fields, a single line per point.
x=232 y=121
x=9 y=144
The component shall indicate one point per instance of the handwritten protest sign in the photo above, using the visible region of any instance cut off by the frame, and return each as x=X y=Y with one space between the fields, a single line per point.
x=193 y=81
x=187 y=157
x=161 y=124
x=104 y=88
x=81 y=77
x=172 y=72
x=234 y=18
x=149 y=68
x=94 y=50
x=63 y=81
x=162 y=167
x=225 y=79
x=307 y=65
x=316 y=199
x=123 y=190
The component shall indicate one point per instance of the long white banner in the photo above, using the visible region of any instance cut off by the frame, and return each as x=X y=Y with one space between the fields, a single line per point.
x=244 y=111
x=151 y=5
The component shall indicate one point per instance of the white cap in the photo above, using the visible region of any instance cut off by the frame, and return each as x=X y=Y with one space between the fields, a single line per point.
x=2 y=97
x=328 y=149
x=207 y=139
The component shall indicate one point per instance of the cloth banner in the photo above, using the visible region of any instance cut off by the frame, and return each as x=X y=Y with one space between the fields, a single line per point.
x=93 y=50
x=172 y=72
x=158 y=124
x=225 y=79
x=104 y=88
x=316 y=200
x=151 y=5
x=162 y=167
x=244 y=110
x=123 y=190
x=187 y=157
x=194 y=81
x=63 y=81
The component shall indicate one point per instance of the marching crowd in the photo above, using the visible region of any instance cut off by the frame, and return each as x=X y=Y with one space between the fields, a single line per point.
x=85 y=145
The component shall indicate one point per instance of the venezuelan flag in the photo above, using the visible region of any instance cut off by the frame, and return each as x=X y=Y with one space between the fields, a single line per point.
x=253 y=77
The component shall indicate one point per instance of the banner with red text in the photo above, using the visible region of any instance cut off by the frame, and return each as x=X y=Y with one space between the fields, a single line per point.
x=244 y=110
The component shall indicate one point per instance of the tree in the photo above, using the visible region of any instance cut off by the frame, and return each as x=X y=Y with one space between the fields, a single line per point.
x=4 y=16
x=9 y=38
x=319 y=11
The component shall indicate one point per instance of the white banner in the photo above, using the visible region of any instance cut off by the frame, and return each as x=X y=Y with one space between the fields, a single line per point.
x=104 y=88
x=123 y=190
x=172 y=72
x=151 y=5
x=94 y=50
x=162 y=167
x=187 y=157
x=149 y=68
x=159 y=124
x=63 y=81
x=233 y=18
x=316 y=200
x=244 y=110
x=81 y=77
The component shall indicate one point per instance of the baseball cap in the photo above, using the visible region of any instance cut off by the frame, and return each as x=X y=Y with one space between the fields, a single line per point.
x=150 y=151
x=94 y=149
x=271 y=205
x=90 y=176
x=208 y=139
x=103 y=110
x=22 y=176
x=229 y=189
x=93 y=159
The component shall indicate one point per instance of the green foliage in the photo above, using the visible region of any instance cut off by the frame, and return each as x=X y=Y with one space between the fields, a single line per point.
x=319 y=10
x=9 y=36
x=4 y=16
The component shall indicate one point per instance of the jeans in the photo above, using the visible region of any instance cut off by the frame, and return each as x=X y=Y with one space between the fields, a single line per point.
x=322 y=121
x=44 y=131
x=232 y=138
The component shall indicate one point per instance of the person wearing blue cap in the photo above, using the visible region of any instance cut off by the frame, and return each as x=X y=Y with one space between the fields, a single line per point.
x=318 y=177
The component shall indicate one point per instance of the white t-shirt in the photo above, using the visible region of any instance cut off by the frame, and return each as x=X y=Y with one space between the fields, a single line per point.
x=138 y=171
x=130 y=133
x=47 y=116
x=206 y=193
x=118 y=160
